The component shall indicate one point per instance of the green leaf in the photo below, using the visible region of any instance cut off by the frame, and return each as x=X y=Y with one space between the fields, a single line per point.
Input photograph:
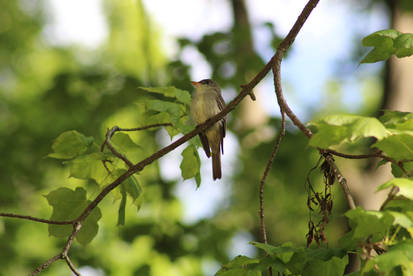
x=174 y=110
x=387 y=43
x=303 y=260
x=191 y=163
x=124 y=144
x=405 y=186
x=398 y=145
x=68 y=205
x=399 y=255
x=383 y=43
x=70 y=144
x=401 y=219
x=398 y=172
x=240 y=266
x=404 y=45
x=122 y=205
x=368 y=224
x=336 y=129
x=283 y=252
x=89 y=167
x=182 y=96
x=333 y=267
x=133 y=188
x=397 y=120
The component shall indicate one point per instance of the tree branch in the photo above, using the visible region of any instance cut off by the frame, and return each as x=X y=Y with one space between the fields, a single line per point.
x=10 y=215
x=264 y=176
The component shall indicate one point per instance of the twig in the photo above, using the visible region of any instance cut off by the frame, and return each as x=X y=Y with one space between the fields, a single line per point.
x=145 y=127
x=119 y=155
x=46 y=264
x=276 y=66
x=264 y=176
x=71 y=266
x=354 y=156
x=35 y=219
x=112 y=131
x=394 y=190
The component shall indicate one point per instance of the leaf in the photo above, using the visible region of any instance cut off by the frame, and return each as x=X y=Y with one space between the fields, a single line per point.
x=333 y=267
x=122 y=205
x=315 y=260
x=133 y=188
x=182 y=96
x=398 y=172
x=405 y=186
x=70 y=144
x=387 y=43
x=336 y=129
x=368 y=224
x=240 y=266
x=399 y=255
x=89 y=167
x=283 y=252
x=174 y=110
x=68 y=205
x=404 y=45
x=125 y=145
x=398 y=145
x=397 y=120
x=401 y=219
x=191 y=163
x=382 y=41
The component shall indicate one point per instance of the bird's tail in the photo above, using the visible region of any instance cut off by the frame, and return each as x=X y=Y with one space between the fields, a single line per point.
x=216 y=165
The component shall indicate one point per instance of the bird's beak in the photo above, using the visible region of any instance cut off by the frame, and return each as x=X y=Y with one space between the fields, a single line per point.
x=195 y=83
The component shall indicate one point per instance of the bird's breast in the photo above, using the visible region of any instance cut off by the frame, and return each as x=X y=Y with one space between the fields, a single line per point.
x=203 y=107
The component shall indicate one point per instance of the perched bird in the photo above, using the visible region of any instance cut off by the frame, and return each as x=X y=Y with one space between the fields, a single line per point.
x=207 y=102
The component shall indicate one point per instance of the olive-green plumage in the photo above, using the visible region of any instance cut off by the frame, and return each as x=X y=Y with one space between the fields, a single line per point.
x=207 y=102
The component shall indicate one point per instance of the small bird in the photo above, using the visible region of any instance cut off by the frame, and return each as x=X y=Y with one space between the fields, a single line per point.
x=207 y=102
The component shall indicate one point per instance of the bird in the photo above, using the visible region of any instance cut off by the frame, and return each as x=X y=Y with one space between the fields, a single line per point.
x=206 y=103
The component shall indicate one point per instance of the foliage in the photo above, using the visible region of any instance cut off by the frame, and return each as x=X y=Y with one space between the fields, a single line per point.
x=73 y=103
x=387 y=43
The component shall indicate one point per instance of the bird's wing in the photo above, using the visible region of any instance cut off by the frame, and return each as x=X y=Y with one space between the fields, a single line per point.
x=205 y=144
x=223 y=122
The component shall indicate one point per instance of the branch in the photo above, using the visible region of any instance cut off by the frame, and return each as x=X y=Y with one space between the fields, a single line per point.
x=46 y=264
x=264 y=176
x=107 y=142
x=10 y=215
x=246 y=89
x=109 y=135
x=276 y=66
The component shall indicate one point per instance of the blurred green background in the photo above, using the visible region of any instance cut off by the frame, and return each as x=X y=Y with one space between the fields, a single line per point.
x=47 y=87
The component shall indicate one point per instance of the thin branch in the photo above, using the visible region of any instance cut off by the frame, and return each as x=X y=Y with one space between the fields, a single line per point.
x=71 y=266
x=35 y=219
x=145 y=127
x=112 y=131
x=119 y=155
x=276 y=66
x=354 y=156
x=265 y=174
x=46 y=264
x=394 y=190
